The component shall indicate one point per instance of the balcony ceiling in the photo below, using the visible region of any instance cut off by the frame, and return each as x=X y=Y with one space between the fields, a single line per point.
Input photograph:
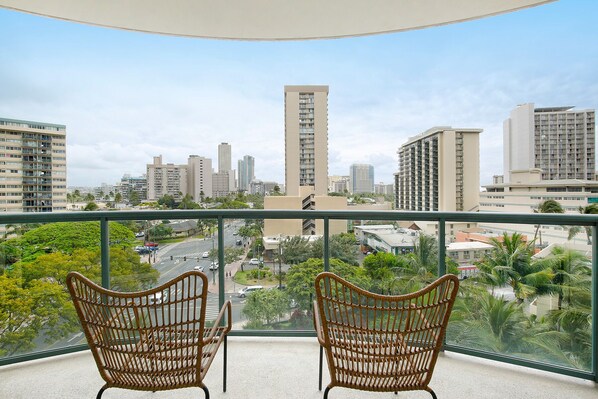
x=268 y=19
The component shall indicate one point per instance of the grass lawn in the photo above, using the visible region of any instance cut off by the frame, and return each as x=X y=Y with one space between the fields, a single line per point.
x=247 y=278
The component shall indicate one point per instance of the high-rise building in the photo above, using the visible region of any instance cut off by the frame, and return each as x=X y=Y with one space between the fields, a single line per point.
x=225 y=167
x=558 y=140
x=199 y=177
x=439 y=170
x=338 y=184
x=224 y=157
x=129 y=185
x=306 y=138
x=246 y=171
x=166 y=179
x=194 y=178
x=32 y=166
x=361 y=178
x=306 y=165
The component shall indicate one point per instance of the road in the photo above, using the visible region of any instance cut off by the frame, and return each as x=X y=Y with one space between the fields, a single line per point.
x=185 y=256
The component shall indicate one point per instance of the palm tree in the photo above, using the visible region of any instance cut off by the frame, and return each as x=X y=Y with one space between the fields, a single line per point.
x=572 y=270
x=548 y=206
x=510 y=263
x=591 y=209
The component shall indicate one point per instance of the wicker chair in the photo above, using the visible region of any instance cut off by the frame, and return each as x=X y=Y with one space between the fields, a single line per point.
x=151 y=340
x=381 y=343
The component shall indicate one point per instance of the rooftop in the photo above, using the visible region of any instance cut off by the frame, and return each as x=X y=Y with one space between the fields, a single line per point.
x=288 y=368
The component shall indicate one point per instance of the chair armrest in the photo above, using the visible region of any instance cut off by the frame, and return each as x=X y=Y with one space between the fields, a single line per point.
x=317 y=325
x=227 y=307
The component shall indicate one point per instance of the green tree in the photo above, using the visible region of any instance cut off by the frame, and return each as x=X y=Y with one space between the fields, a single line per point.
x=66 y=237
x=295 y=250
x=161 y=231
x=91 y=206
x=342 y=246
x=118 y=198
x=27 y=310
x=187 y=203
x=591 y=209
x=134 y=198
x=264 y=306
x=167 y=201
x=547 y=206
x=510 y=262
x=379 y=267
x=89 y=197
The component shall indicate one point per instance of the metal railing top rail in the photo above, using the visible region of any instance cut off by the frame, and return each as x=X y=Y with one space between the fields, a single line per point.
x=487 y=217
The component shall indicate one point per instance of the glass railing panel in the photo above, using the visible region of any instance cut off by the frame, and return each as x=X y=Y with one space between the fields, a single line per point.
x=528 y=300
x=36 y=312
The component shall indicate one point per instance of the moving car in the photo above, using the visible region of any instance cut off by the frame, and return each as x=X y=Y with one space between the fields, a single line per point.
x=239 y=242
x=248 y=290
x=199 y=268
x=254 y=261
x=205 y=255
x=214 y=266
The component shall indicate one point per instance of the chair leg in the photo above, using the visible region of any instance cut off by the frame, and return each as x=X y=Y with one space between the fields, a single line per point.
x=205 y=389
x=326 y=392
x=99 y=395
x=320 y=378
x=224 y=370
x=432 y=393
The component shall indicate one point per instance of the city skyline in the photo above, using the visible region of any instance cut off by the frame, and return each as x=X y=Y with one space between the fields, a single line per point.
x=125 y=97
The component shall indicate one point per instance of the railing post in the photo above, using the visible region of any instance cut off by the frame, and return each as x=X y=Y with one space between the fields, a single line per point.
x=326 y=244
x=595 y=301
x=441 y=247
x=221 y=264
x=105 y=252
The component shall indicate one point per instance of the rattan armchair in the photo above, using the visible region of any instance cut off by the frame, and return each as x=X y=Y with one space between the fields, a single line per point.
x=151 y=340
x=377 y=342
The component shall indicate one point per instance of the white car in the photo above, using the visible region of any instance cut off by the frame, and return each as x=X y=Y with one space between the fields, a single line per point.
x=254 y=261
x=214 y=266
x=199 y=268
x=205 y=255
x=248 y=290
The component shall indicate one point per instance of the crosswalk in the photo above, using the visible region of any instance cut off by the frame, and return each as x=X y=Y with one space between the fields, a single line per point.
x=212 y=308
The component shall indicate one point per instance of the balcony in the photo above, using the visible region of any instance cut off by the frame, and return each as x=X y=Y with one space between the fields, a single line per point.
x=288 y=368
x=472 y=361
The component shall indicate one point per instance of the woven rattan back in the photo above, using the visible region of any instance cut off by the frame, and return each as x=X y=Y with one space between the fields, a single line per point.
x=149 y=340
x=382 y=343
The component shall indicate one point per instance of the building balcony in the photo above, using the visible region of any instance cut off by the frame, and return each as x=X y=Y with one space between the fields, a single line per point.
x=288 y=368
x=542 y=360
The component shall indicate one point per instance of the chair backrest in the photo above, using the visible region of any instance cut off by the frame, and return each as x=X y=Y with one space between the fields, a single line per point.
x=158 y=331
x=378 y=342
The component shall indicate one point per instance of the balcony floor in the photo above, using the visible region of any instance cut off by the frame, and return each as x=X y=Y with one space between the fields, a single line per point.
x=288 y=368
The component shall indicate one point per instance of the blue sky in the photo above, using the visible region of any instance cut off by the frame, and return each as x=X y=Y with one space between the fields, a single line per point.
x=126 y=97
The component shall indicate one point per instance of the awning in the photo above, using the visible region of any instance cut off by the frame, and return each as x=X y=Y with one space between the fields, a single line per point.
x=268 y=19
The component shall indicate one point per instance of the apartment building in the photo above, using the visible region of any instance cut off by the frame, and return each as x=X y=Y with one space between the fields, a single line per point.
x=384 y=189
x=439 y=170
x=526 y=190
x=306 y=164
x=132 y=184
x=306 y=138
x=361 y=178
x=225 y=166
x=32 y=166
x=246 y=172
x=559 y=140
x=199 y=177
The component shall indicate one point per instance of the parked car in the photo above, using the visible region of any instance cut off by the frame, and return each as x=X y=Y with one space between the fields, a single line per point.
x=157 y=298
x=205 y=255
x=140 y=234
x=199 y=268
x=248 y=290
x=254 y=261
x=214 y=266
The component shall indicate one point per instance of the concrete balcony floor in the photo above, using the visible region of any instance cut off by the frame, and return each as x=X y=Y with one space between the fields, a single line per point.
x=288 y=368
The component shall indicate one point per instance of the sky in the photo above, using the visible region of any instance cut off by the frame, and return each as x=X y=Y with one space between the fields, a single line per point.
x=126 y=97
